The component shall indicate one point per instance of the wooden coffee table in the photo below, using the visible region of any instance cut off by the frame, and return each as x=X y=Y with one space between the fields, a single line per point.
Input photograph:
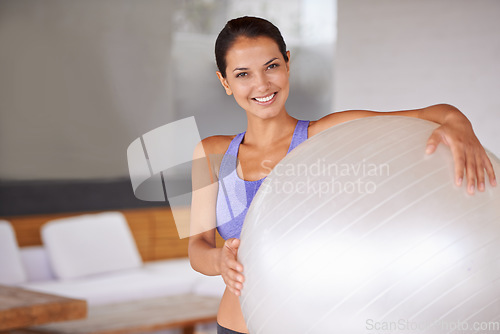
x=144 y=315
x=21 y=308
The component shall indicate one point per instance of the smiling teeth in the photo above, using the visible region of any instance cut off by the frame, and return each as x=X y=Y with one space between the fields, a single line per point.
x=265 y=99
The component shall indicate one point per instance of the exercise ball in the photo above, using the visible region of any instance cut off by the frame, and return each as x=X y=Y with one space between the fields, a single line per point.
x=357 y=230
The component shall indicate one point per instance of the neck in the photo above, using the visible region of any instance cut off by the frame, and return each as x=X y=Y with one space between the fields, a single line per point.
x=265 y=132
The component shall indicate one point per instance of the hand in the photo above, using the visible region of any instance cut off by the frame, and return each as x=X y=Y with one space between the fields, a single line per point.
x=231 y=269
x=467 y=151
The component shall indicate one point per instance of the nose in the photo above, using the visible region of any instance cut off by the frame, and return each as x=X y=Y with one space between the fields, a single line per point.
x=263 y=82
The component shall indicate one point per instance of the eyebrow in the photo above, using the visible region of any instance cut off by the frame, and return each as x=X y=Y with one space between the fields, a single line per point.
x=246 y=68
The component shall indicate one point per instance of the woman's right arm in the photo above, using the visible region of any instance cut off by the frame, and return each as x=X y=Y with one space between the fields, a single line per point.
x=204 y=256
x=212 y=261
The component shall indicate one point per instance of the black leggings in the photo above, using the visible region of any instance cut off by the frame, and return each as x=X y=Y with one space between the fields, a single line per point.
x=224 y=330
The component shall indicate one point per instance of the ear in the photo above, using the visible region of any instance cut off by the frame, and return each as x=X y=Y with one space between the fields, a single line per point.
x=224 y=83
x=288 y=62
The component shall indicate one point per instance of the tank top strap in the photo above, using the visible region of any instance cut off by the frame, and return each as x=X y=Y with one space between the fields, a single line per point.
x=299 y=135
x=229 y=160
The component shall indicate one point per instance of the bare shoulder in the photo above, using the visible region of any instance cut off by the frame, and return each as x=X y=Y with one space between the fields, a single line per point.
x=213 y=149
x=207 y=158
x=216 y=144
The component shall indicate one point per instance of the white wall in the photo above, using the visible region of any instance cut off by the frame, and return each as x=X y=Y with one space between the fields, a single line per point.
x=405 y=54
x=80 y=80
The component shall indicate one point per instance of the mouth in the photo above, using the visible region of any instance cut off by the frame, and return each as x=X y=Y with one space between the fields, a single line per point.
x=265 y=99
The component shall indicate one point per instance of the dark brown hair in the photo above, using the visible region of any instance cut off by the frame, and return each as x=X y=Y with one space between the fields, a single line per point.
x=246 y=26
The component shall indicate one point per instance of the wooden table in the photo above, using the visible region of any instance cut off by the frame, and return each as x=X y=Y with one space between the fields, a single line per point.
x=144 y=315
x=21 y=308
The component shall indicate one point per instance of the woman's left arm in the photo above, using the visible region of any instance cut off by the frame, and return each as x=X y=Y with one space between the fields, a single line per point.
x=455 y=131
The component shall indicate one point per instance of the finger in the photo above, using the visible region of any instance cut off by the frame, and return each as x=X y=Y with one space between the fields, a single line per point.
x=238 y=277
x=234 y=280
x=232 y=277
x=489 y=170
x=471 y=173
x=229 y=261
x=232 y=244
x=433 y=142
x=480 y=173
x=228 y=243
x=235 y=243
x=228 y=253
x=233 y=290
x=459 y=161
x=457 y=151
x=234 y=265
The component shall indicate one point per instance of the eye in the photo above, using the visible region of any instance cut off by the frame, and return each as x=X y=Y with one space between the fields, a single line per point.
x=272 y=66
x=241 y=74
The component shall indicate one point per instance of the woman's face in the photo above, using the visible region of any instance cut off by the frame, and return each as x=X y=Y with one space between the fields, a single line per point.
x=257 y=75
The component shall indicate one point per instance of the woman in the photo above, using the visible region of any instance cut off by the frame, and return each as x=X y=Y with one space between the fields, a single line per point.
x=254 y=67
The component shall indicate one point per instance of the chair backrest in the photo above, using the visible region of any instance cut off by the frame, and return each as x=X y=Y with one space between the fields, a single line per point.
x=90 y=244
x=36 y=264
x=11 y=266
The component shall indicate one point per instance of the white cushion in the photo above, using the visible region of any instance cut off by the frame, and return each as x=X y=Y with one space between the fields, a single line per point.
x=204 y=285
x=11 y=267
x=90 y=244
x=36 y=264
x=210 y=286
x=175 y=277
x=179 y=266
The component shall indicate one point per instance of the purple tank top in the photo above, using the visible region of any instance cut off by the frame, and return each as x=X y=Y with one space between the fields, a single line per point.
x=235 y=194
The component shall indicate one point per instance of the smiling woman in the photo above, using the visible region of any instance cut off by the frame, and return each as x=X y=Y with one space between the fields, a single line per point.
x=254 y=67
x=258 y=66
x=258 y=77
